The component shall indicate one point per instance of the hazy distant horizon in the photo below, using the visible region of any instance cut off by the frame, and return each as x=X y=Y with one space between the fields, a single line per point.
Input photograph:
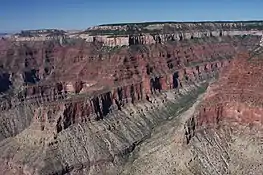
x=17 y=15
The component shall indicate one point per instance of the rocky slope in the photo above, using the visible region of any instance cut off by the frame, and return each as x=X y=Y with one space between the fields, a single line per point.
x=228 y=125
x=77 y=108
x=220 y=134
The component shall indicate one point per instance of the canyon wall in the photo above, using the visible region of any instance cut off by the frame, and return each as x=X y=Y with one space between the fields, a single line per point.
x=140 y=39
x=99 y=91
x=236 y=97
x=151 y=33
x=145 y=33
x=78 y=108
x=226 y=131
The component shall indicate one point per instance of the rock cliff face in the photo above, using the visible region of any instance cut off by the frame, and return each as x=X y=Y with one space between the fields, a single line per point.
x=236 y=97
x=220 y=134
x=151 y=33
x=116 y=35
x=226 y=131
x=153 y=38
x=78 y=108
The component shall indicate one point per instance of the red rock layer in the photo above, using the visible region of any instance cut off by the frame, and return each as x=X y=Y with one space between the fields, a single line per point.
x=79 y=82
x=237 y=97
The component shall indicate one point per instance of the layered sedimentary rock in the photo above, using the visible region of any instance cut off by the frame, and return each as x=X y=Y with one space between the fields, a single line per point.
x=151 y=33
x=113 y=35
x=220 y=134
x=79 y=108
x=226 y=131
x=236 y=97
x=107 y=85
x=39 y=35
x=153 y=38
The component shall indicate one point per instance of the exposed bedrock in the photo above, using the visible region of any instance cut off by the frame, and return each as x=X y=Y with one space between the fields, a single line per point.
x=80 y=101
x=98 y=147
x=37 y=62
x=236 y=97
x=181 y=26
x=220 y=135
x=191 y=61
x=15 y=121
x=76 y=109
x=226 y=132
x=138 y=34
x=162 y=38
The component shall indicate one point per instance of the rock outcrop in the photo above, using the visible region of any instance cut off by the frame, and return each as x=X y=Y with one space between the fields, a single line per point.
x=77 y=108
x=151 y=33
x=236 y=97
x=226 y=131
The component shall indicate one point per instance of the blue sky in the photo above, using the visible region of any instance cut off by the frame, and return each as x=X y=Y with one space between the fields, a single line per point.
x=18 y=15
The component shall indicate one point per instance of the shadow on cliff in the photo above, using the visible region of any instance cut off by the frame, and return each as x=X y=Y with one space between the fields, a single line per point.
x=5 y=83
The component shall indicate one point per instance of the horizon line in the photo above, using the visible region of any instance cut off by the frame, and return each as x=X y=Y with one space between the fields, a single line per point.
x=139 y=22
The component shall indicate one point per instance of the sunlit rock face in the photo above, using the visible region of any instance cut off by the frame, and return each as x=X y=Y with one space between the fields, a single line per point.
x=226 y=130
x=152 y=33
x=237 y=94
x=78 y=106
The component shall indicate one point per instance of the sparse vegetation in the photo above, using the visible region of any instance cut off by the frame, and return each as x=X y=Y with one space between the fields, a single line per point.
x=187 y=100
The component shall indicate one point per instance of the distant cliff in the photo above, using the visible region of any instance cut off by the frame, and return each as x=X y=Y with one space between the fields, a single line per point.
x=159 y=32
x=146 y=33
